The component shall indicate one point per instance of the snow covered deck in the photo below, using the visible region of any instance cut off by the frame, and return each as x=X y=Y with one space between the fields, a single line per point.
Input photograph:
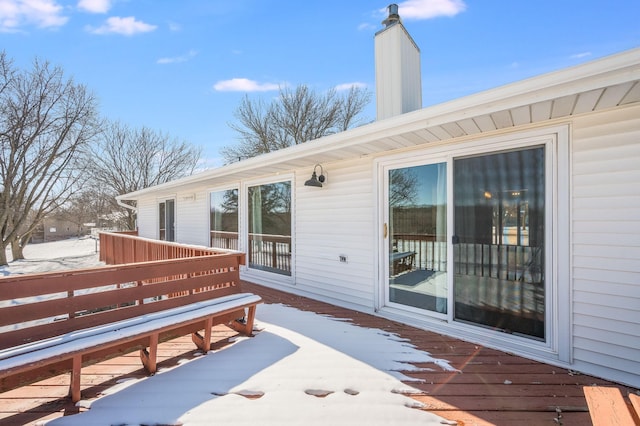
x=461 y=382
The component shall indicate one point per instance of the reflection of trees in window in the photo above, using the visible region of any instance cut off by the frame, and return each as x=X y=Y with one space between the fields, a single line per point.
x=417 y=200
x=224 y=210
x=224 y=219
x=270 y=209
x=403 y=187
x=269 y=218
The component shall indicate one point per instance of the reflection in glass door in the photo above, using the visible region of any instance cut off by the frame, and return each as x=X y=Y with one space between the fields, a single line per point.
x=498 y=251
x=417 y=226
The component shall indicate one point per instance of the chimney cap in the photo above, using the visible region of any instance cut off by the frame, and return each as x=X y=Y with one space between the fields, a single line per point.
x=393 y=15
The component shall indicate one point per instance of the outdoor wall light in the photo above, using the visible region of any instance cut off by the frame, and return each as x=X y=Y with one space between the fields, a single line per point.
x=316 y=180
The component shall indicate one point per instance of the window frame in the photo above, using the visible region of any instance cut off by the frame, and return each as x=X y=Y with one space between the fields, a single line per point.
x=263 y=275
x=163 y=200
x=210 y=191
x=558 y=308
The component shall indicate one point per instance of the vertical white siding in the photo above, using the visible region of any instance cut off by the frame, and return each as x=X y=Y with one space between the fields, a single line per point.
x=606 y=245
x=336 y=220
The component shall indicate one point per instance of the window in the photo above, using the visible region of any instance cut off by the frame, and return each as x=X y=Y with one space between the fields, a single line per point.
x=269 y=227
x=418 y=236
x=223 y=219
x=167 y=220
x=499 y=239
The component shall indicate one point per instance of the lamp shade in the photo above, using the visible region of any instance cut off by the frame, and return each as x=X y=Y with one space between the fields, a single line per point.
x=313 y=181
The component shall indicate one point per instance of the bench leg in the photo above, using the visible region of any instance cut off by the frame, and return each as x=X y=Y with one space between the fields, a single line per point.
x=251 y=316
x=245 y=327
x=74 y=385
x=149 y=357
x=203 y=343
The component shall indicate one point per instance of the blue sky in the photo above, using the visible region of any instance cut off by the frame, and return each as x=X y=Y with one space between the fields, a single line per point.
x=182 y=67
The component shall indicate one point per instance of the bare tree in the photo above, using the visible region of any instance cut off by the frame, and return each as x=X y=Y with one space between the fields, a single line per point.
x=126 y=160
x=46 y=121
x=403 y=187
x=295 y=117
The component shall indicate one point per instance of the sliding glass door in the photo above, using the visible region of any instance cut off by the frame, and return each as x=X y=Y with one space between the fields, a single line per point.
x=498 y=251
x=417 y=243
x=487 y=266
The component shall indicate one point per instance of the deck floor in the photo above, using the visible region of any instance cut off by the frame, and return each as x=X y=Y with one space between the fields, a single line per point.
x=493 y=387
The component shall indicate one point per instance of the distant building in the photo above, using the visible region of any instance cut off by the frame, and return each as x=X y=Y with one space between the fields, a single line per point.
x=54 y=229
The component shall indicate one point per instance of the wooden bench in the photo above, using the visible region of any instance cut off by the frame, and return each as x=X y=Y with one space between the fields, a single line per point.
x=58 y=322
x=607 y=406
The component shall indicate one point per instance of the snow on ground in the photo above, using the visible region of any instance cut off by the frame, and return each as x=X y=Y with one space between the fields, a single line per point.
x=300 y=368
x=73 y=253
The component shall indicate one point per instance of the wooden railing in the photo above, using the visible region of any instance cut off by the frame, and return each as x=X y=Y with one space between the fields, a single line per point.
x=502 y=261
x=430 y=254
x=121 y=248
x=224 y=240
x=270 y=252
x=55 y=302
x=194 y=288
x=267 y=252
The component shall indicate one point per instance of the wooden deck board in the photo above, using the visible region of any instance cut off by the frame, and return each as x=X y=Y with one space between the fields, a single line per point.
x=492 y=387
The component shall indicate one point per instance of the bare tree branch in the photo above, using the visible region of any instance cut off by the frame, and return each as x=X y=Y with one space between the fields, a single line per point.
x=295 y=117
x=126 y=160
x=45 y=122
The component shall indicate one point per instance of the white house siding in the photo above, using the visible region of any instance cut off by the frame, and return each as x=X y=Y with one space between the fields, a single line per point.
x=148 y=217
x=606 y=245
x=192 y=225
x=333 y=221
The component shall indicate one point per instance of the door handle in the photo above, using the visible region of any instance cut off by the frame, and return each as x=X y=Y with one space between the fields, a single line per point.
x=384 y=231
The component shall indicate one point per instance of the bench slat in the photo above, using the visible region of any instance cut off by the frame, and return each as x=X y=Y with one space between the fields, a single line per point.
x=635 y=403
x=607 y=406
x=43 y=331
x=21 y=286
x=108 y=297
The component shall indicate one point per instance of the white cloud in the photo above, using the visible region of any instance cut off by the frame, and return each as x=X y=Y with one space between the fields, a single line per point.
x=125 y=26
x=94 y=6
x=244 y=85
x=41 y=13
x=178 y=59
x=427 y=9
x=348 y=86
x=581 y=55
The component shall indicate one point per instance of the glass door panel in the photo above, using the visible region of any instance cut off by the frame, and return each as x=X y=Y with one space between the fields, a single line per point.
x=223 y=219
x=498 y=251
x=269 y=227
x=417 y=226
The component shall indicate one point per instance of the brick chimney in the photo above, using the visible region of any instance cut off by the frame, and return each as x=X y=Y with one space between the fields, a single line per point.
x=398 y=79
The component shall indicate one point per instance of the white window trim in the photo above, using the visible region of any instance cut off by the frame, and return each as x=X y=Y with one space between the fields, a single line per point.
x=160 y=200
x=243 y=202
x=556 y=139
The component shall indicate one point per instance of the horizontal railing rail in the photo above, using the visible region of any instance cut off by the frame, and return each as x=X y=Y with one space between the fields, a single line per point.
x=120 y=248
x=39 y=306
x=224 y=240
x=270 y=252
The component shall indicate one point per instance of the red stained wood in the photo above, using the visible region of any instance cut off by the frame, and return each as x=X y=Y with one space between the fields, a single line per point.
x=544 y=395
x=608 y=407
